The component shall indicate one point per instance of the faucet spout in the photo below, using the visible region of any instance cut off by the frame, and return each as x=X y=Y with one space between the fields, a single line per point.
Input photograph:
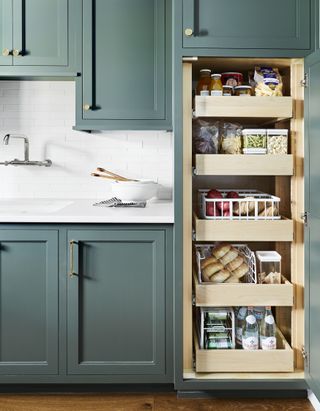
x=7 y=137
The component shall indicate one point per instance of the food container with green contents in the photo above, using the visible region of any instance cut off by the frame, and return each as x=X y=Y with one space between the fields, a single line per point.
x=243 y=91
x=255 y=138
x=277 y=141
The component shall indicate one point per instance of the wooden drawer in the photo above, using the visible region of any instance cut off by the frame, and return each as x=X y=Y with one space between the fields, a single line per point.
x=224 y=230
x=220 y=295
x=280 y=360
x=253 y=107
x=244 y=165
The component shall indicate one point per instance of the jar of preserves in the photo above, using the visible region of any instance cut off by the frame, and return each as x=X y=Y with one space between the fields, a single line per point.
x=227 y=91
x=243 y=91
x=232 y=78
x=216 y=85
x=204 y=83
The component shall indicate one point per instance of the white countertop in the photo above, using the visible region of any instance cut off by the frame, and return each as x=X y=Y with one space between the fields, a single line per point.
x=20 y=210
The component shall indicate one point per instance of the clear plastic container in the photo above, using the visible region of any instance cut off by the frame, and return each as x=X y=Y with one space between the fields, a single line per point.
x=254 y=138
x=269 y=267
x=277 y=141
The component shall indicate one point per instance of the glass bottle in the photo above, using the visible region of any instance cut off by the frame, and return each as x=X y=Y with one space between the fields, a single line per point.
x=204 y=83
x=268 y=339
x=250 y=332
x=216 y=85
x=241 y=315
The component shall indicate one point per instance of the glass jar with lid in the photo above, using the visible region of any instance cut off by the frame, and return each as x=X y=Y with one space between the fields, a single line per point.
x=216 y=85
x=204 y=83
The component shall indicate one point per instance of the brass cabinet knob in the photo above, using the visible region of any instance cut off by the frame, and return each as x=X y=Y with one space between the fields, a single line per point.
x=16 y=53
x=5 y=52
x=86 y=107
x=188 y=32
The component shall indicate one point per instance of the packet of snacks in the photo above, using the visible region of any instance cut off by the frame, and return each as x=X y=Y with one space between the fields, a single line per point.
x=267 y=81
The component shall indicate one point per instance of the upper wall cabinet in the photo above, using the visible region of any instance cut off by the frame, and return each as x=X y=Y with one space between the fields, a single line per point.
x=39 y=37
x=247 y=24
x=126 y=82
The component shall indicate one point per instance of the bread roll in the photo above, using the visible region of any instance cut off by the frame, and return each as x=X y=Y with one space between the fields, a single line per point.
x=230 y=256
x=207 y=261
x=269 y=212
x=221 y=250
x=241 y=271
x=211 y=269
x=235 y=263
x=244 y=207
x=232 y=279
x=220 y=276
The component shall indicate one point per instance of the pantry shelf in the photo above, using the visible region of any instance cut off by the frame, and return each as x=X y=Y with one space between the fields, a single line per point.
x=239 y=107
x=219 y=295
x=235 y=230
x=243 y=165
x=238 y=360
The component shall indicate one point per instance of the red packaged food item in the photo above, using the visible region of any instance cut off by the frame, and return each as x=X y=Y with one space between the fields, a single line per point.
x=232 y=78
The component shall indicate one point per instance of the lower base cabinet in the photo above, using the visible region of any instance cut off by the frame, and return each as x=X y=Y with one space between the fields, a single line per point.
x=110 y=286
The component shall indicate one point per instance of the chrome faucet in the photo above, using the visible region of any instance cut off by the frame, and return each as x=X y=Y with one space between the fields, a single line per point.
x=7 y=137
x=26 y=161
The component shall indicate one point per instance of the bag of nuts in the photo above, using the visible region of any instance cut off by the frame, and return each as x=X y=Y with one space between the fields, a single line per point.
x=277 y=141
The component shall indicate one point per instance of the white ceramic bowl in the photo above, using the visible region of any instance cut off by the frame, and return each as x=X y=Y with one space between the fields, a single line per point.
x=142 y=190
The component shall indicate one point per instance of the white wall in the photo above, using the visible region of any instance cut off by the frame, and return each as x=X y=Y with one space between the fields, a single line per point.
x=44 y=111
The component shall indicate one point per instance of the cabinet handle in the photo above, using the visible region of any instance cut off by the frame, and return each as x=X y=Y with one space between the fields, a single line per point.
x=86 y=107
x=6 y=52
x=17 y=53
x=72 y=273
x=188 y=32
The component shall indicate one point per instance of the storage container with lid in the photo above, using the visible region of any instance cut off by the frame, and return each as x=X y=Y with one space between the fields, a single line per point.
x=227 y=90
x=277 y=141
x=269 y=267
x=204 y=83
x=243 y=91
x=254 y=138
x=216 y=85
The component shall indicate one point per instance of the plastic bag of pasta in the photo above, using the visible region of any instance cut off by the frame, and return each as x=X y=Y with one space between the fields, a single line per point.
x=230 y=138
x=268 y=81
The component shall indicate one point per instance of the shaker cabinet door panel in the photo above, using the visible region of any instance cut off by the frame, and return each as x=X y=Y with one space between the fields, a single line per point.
x=117 y=302
x=5 y=32
x=312 y=231
x=28 y=302
x=247 y=24
x=40 y=32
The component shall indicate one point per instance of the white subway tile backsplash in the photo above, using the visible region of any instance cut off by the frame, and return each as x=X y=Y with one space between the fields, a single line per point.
x=45 y=111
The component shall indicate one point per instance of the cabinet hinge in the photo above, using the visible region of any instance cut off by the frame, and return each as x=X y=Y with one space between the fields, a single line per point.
x=305 y=218
x=305 y=81
x=304 y=355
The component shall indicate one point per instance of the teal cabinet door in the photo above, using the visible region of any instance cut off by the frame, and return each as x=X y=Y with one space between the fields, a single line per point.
x=40 y=32
x=5 y=32
x=312 y=232
x=28 y=302
x=117 y=303
x=126 y=78
x=247 y=24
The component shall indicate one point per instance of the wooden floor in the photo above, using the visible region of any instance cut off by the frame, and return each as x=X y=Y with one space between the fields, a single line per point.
x=140 y=402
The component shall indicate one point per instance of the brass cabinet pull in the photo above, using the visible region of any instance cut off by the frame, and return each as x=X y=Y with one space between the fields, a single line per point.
x=188 y=32
x=17 y=53
x=6 y=52
x=86 y=107
x=72 y=273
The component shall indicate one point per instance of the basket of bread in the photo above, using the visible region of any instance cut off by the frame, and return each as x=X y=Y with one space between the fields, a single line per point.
x=225 y=204
x=224 y=263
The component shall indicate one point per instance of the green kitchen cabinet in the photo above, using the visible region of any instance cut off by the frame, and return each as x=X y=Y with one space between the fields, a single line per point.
x=248 y=24
x=28 y=302
x=126 y=77
x=40 y=37
x=118 y=304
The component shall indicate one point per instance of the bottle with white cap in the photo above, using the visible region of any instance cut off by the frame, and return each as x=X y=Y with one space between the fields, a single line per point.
x=268 y=339
x=250 y=332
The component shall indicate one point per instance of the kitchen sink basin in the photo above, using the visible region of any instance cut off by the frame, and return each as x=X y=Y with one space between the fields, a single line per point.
x=32 y=206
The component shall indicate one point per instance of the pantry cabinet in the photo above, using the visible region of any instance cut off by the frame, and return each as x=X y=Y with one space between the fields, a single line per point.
x=40 y=38
x=29 y=302
x=126 y=78
x=248 y=24
x=117 y=303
